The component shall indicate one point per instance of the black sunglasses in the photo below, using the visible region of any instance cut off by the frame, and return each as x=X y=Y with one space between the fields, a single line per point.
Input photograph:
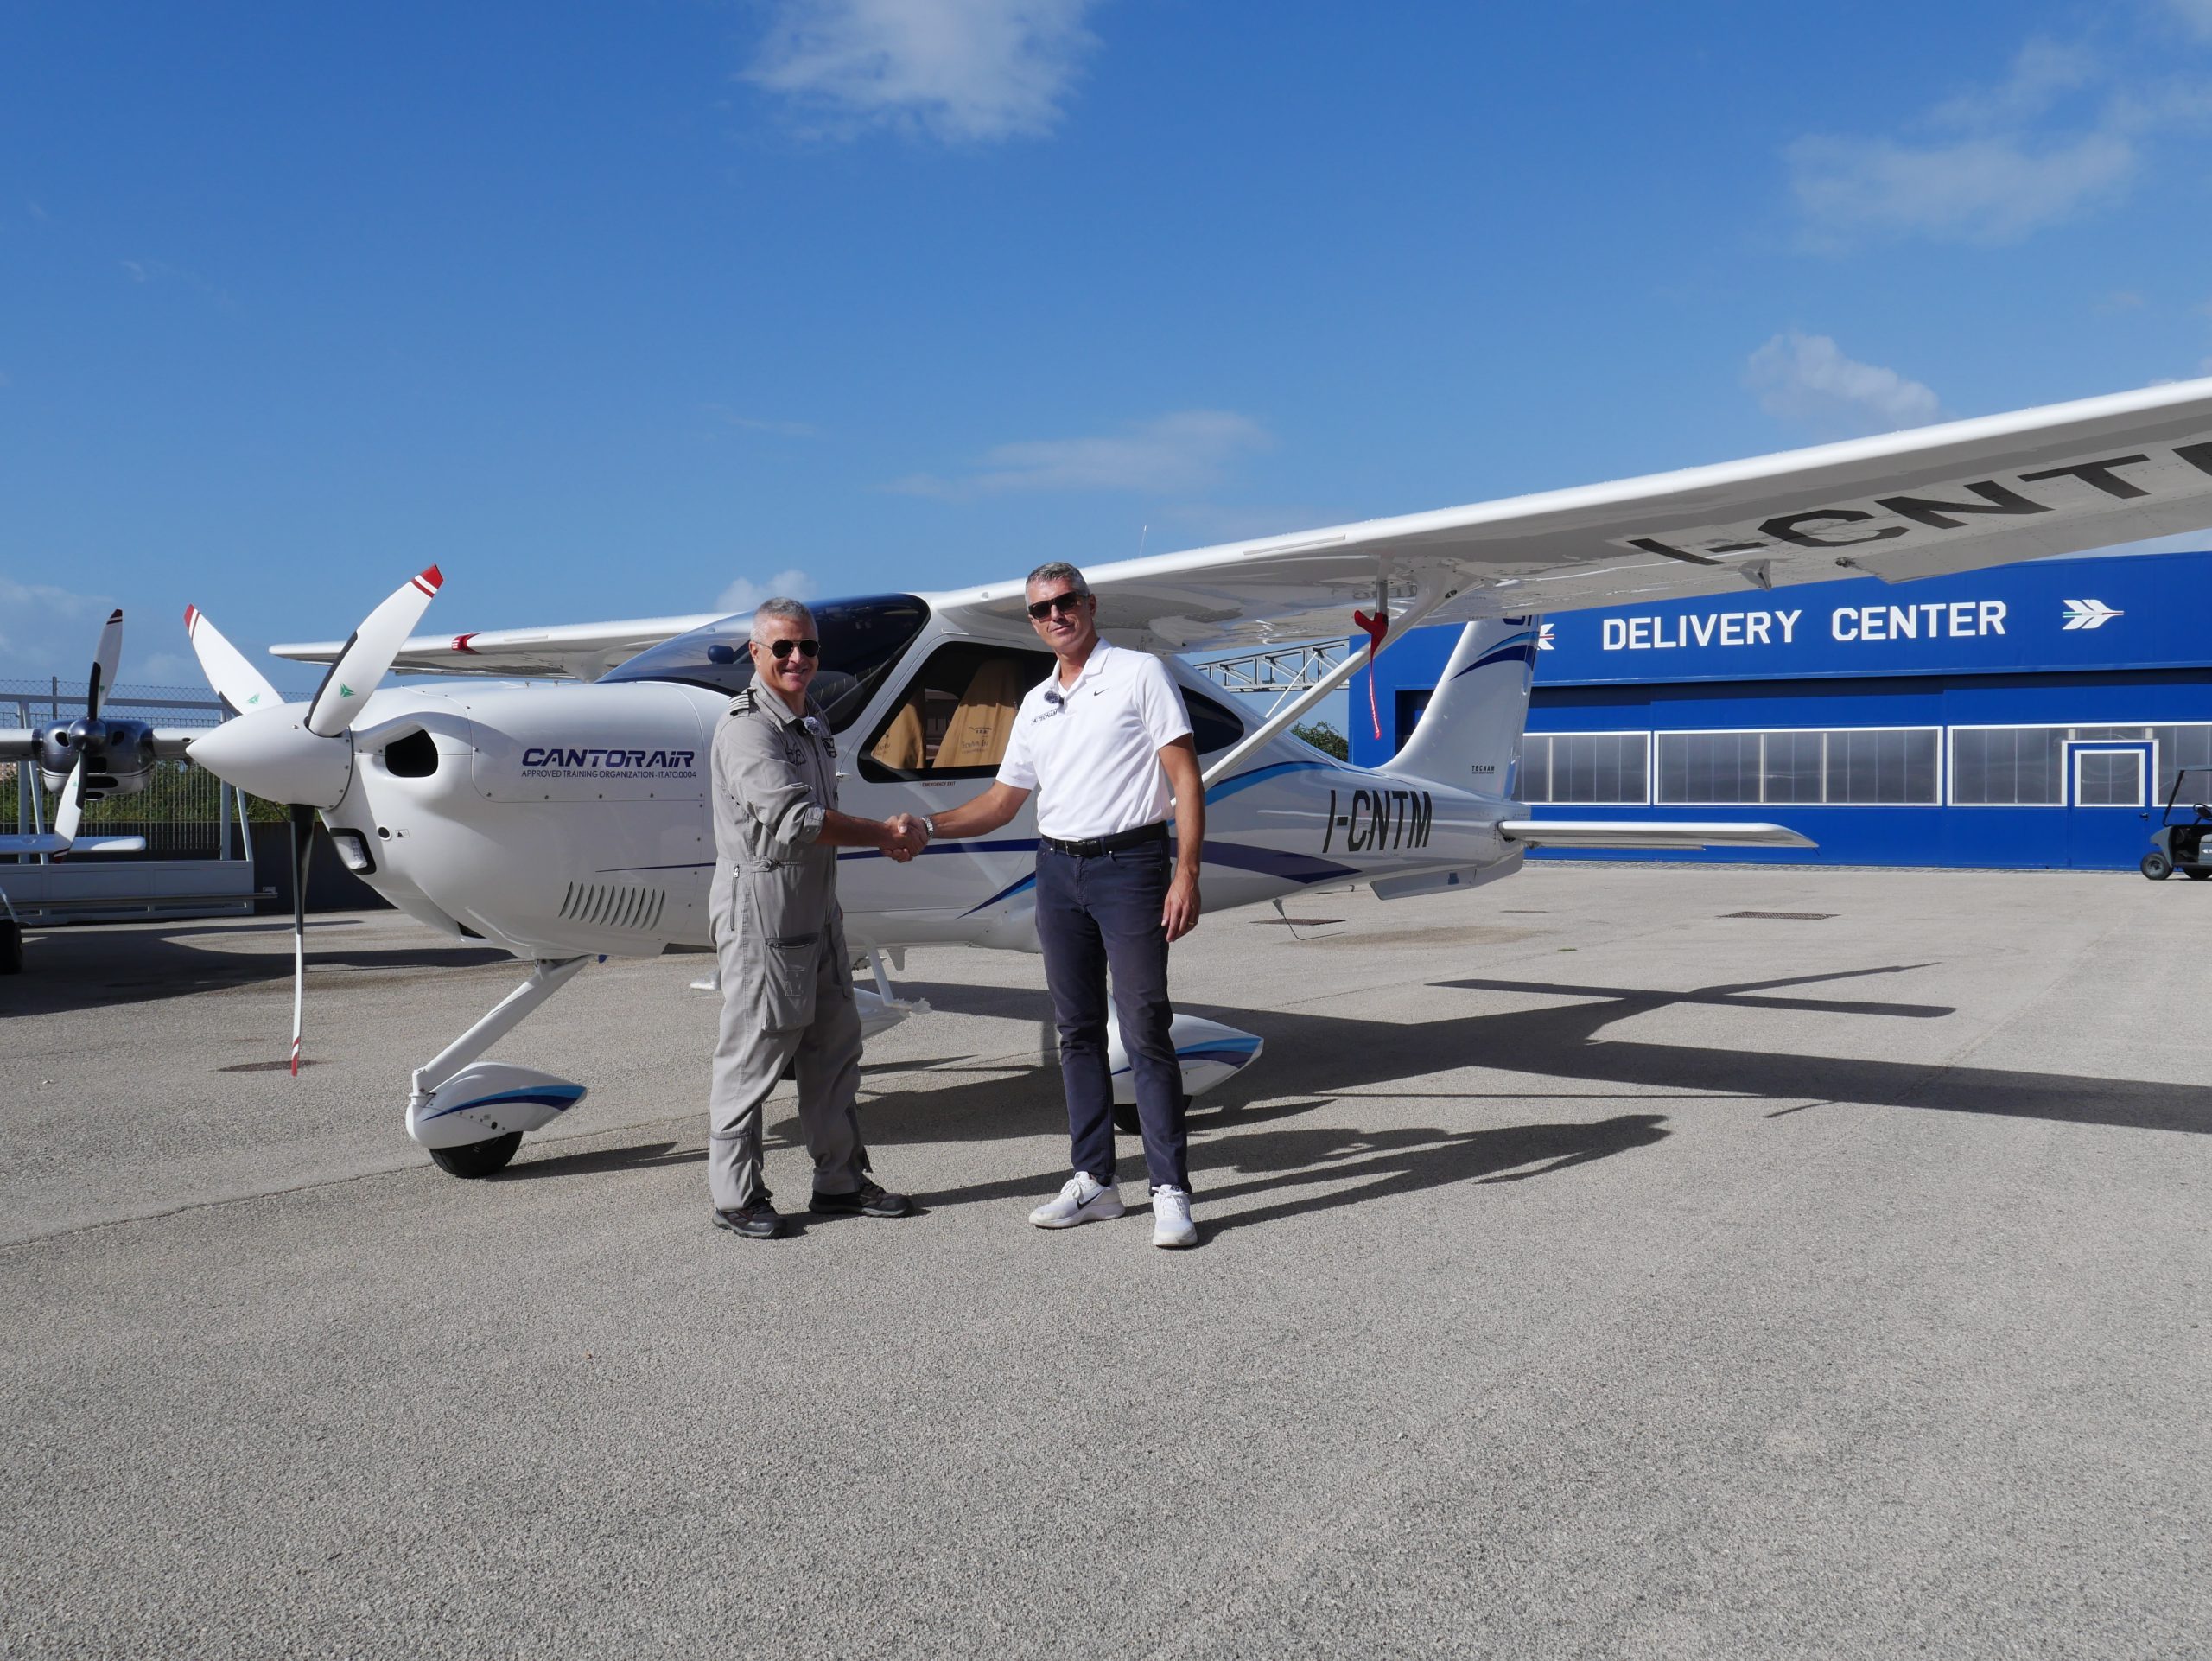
x=782 y=649
x=1062 y=603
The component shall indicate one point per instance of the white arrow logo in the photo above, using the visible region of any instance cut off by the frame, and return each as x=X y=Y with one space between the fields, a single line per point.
x=1543 y=637
x=2088 y=613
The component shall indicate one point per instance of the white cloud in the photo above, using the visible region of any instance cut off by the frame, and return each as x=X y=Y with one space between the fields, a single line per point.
x=2195 y=16
x=745 y=595
x=2043 y=73
x=965 y=70
x=1979 y=190
x=1169 y=454
x=2063 y=133
x=49 y=631
x=1806 y=380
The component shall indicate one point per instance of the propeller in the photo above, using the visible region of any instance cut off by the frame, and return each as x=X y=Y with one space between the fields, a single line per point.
x=301 y=754
x=367 y=656
x=236 y=682
x=88 y=737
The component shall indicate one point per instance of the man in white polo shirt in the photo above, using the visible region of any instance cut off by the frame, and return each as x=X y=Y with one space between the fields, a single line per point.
x=1105 y=743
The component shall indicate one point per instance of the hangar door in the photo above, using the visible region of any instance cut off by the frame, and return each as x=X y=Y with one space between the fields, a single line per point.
x=2109 y=802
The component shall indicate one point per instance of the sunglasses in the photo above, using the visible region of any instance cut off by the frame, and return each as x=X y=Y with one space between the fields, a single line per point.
x=780 y=650
x=1062 y=603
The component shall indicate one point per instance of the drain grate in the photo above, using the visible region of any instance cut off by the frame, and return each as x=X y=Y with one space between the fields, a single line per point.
x=1782 y=916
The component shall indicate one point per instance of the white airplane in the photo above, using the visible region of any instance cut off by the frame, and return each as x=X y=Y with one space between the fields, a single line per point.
x=567 y=823
x=89 y=760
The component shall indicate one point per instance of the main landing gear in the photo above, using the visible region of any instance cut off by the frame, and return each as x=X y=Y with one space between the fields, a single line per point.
x=472 y=1115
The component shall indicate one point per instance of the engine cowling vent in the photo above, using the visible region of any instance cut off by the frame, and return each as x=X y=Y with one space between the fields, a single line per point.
x=630 y=906
x=413 y=755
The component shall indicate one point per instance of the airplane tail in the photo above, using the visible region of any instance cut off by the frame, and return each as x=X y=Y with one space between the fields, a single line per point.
x=1469 y=736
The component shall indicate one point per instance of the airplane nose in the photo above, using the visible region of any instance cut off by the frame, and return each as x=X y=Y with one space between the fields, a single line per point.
x=270 y=754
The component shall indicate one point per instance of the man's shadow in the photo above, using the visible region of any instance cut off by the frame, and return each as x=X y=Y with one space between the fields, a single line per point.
x=1364 y=1166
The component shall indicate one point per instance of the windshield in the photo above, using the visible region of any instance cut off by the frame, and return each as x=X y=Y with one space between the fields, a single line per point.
x=860 y=640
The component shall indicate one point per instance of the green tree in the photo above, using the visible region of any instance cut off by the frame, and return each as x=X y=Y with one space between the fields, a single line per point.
x=1327 y=739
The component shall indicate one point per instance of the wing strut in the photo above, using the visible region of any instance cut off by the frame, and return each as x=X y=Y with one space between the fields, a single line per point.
x=1394 y=629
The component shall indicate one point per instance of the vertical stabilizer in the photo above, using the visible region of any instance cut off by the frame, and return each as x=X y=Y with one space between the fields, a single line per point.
x=1469 y=738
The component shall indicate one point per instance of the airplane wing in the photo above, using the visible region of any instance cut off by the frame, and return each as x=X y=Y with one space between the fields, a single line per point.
x=49 y=842
x=21 y=743
x=1922 y=503
x=565 y=652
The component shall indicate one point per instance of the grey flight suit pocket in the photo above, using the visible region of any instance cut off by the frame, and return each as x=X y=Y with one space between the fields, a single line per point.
x=787 y=981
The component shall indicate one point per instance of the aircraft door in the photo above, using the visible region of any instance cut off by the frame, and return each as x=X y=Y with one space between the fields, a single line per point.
x=2108 y=817
x=939 y=742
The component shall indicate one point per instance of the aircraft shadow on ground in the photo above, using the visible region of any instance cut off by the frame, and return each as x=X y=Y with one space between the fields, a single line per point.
x=1250 y=1155
x=600 y=1161
x=93 y=968
x=1328 y=1055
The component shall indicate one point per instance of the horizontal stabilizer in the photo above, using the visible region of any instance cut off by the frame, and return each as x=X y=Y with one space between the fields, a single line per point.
x=1649 y=833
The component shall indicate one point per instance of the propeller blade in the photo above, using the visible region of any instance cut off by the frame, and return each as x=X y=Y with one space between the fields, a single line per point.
x=369 y=653
x=69 y=806
x=105 y=661
x=236 y=682
x=302 y=850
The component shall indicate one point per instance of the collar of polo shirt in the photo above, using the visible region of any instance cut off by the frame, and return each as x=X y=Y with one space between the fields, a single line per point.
x=1091 y=665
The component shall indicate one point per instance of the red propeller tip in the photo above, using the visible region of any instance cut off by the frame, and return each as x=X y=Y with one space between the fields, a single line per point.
x=190 y=612
x=431 y=581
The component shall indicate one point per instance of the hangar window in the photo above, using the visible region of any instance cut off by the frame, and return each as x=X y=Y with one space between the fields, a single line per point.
x=1586 y=769
x=2008 y=767
x=1709 y=766
x=1894 y=767
x=1862 y=766
x=1794 y=768
x=2025 y=767
x=2179 y=748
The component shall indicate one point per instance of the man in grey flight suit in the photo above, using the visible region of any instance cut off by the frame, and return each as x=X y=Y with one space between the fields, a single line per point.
x=787 y=993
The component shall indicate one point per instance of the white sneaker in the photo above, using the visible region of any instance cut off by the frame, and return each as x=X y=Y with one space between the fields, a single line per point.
x=1081 y=1201
x=1170 y=1219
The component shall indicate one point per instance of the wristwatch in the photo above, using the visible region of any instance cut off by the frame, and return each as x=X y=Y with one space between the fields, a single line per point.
x=929 y=827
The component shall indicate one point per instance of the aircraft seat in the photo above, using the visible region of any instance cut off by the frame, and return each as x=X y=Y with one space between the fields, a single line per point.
x=901 y=744
x=983 y=719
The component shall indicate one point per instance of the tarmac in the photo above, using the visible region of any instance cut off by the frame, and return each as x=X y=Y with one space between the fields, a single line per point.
x=1615 y=1261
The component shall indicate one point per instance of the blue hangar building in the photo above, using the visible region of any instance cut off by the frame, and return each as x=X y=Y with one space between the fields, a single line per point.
x=2030 y=716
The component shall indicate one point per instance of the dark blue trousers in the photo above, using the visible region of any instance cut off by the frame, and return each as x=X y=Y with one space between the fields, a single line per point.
x=1094 y=913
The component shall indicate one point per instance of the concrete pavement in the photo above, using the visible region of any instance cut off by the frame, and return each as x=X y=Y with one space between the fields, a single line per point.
x=1585 y=1270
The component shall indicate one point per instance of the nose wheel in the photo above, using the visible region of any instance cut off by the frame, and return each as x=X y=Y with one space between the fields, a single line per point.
x=471 y=1115
x=478 y=1159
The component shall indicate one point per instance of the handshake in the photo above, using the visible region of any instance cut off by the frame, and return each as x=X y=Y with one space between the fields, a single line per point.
x=904 y=836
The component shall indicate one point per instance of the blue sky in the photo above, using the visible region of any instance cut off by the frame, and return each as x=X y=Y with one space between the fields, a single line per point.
x=619 y=311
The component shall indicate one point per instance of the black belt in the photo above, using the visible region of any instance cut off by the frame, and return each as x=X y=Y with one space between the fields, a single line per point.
x=1097 y=845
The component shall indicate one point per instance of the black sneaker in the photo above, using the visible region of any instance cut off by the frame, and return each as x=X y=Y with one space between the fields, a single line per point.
x=867 y=1200
x=754 y=1222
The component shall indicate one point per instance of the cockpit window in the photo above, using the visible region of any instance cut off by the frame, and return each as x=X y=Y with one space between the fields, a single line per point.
x=860 y=640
